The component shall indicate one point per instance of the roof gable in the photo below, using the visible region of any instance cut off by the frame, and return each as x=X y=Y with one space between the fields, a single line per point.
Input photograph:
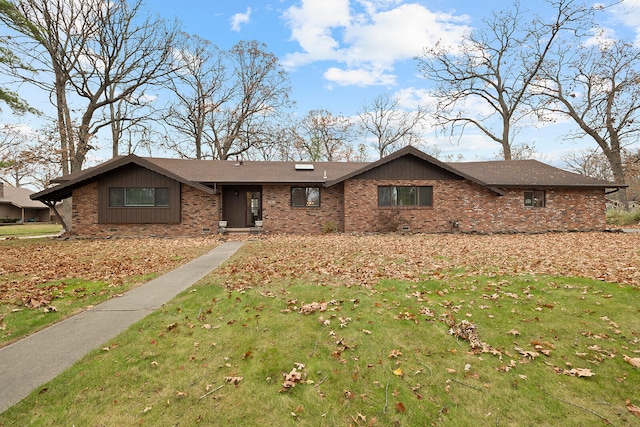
x=444 y=169
x=79 y=179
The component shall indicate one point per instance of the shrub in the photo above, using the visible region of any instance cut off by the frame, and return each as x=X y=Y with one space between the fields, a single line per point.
x=621 y=217
x=389 y=220
x=7 y=220
x=330 y=227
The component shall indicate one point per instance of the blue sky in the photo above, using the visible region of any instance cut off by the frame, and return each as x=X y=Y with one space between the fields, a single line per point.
x=340 y=54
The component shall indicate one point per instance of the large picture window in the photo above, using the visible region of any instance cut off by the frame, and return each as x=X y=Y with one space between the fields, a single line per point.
x=305 y=197
x=534 y=199
x=138 y=197
x=405 y=196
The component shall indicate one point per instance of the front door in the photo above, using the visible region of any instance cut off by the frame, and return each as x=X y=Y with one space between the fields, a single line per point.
x=241 y=206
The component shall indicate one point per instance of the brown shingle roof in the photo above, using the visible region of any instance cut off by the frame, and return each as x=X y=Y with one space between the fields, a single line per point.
x=19 y=197
x=255 y=172
x=198 y=173
x=525 y=173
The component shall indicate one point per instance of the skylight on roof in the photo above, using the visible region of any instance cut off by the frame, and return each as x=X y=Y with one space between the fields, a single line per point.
x=303 y=167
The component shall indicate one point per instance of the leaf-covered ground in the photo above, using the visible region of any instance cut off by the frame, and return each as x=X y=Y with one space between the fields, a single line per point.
x=26 y=267
x=364 y=260
x=434 y=330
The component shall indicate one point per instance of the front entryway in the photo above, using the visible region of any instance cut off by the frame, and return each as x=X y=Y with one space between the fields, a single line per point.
x=241 y=205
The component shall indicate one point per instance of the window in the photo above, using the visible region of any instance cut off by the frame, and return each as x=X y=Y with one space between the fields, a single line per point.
x=534 y=199
x=303 y=197
x=405 y=196
x=138 y=197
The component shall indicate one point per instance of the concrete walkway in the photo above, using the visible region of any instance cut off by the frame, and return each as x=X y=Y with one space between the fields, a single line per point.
x=39 y=358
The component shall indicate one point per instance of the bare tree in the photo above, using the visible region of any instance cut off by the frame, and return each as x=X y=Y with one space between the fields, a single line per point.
x=494 y=67
x=324 y=137
x=390 y=126
x=130 y=120
x=248 y=105
x=589 y=162
x=89 y=55
x=598 y=87
x=27 y=157
x=199 y=88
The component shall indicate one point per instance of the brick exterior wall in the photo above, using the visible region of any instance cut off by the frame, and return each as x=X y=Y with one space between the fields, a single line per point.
x=467 y=207
x=458 y=205
x=279 y=216
x=199 y=212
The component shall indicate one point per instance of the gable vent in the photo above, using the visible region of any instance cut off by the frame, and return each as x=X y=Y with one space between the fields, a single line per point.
x=303 y=167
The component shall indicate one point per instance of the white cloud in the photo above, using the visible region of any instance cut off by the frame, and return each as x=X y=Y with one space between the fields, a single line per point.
x=627 y=13
x=359 y=77
x=400 y=33
x=603 y=37
x=411 y=98
x=240 y=18
x=366 y=36
x=312 y=24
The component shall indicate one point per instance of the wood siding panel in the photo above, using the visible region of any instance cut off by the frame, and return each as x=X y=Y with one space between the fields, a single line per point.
x=132 y=176
x=408 y=168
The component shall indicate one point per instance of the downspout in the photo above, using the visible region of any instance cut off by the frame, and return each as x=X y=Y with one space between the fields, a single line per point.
x=52 y=206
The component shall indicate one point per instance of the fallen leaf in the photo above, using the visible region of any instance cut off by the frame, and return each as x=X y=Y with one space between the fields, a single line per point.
x=635 y=410
x=633 y=361
x=394 y=354
x=580 y=372
x=400 y=407
x=233 y=380
x=398 y=372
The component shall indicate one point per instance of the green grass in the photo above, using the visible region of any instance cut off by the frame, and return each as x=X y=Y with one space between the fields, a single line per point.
x=621 y=217
x=43 y=281
x=379 y=356
x=71 y=297
x=29 y=229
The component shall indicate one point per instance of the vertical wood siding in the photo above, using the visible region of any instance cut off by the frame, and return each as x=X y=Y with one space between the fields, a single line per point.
x=136 y=177
x=408 y=168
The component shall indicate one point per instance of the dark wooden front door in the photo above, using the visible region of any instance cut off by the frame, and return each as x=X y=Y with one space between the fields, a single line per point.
x=241 y=206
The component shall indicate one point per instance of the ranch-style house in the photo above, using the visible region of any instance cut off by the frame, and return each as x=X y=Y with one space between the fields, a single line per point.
x=406 y=191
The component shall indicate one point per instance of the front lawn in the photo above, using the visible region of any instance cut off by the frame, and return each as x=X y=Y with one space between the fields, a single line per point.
x=29 y=229
x=377 y=330
x=43 y=281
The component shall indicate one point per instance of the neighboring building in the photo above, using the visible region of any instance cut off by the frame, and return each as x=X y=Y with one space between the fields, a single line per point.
x=17 y=206
x=407 y=190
